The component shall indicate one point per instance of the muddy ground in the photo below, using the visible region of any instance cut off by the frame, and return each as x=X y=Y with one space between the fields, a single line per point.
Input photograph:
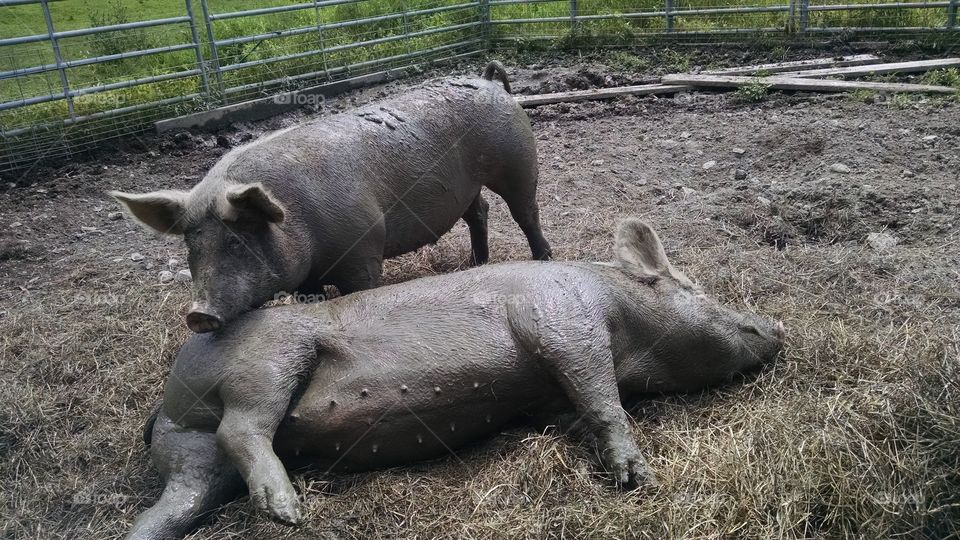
x=838 y=216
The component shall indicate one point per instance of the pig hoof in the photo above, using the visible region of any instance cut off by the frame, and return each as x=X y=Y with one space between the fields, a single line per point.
x=279 y=502
x=630 y=470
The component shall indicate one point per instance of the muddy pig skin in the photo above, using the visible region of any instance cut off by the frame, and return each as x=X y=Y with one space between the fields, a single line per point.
x=407 y=372
x=323 y=203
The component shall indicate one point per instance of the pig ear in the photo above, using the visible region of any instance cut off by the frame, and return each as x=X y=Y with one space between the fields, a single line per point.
x=160 y=210
x=255 y=199
x=637 y=246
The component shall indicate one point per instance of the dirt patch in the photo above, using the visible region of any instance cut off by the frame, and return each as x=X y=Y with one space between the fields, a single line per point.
x=772 y=206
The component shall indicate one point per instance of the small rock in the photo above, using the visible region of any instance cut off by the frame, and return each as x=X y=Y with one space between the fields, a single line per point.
x=930 y=138
x=709 y=165
x=739 y=151
x=908 y=173
x=173 y=263
x=118 y=259
x=740 y=174
x=149 y=265
x=597 y=162
x=223 y=142
x=165 y=276
x=840 y=168
x=183 y=276
x=113 y=216
x=881 y=241
x=689 y=192
x=16 y=224
x=685 y=135
x=763 y=200
x=89 y=229
x=136 y=257
x=641 y=181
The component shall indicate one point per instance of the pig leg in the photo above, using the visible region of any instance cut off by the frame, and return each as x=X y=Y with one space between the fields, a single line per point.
x=251 y=415
x=520 y=193
x=360 y=276
x=199 y=478
x=576 y=352
x=476 y=218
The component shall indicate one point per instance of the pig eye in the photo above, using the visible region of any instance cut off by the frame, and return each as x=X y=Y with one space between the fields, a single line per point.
x=750 y=329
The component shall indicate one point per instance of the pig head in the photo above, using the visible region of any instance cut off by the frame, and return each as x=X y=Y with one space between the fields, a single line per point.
x=240 y=247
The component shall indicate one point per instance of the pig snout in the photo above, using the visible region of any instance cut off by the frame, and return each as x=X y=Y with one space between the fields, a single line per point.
x=779 y=331
x=202 y=318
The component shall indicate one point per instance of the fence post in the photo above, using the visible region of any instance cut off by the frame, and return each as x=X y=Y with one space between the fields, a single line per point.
x=804 y=15
x=323 y=48
x=57 y=57
x=406 y=24
x=485 y=23
x=952 y=13
x=792 y=17
x=201 y=63
x=574 y=11
x=668 y=13
x=214 y=55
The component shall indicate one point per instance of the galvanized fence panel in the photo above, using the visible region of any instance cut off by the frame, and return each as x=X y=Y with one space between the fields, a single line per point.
x=67 y=85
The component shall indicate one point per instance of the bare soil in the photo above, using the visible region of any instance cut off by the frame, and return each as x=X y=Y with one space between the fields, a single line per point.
x=855 y=432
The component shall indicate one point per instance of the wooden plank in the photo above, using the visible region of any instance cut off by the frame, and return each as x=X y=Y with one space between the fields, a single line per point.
x=877 y=69
x=803 y=85
x=779 y=67
x=600 y=93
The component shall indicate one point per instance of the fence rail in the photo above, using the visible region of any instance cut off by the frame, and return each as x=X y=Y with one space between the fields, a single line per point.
x=67 y=90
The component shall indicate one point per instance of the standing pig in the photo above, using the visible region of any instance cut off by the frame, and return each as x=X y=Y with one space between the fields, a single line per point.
x=325 y=202
x=404 y=373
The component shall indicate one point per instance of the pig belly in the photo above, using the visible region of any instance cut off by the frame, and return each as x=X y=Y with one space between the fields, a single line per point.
x=365 y=424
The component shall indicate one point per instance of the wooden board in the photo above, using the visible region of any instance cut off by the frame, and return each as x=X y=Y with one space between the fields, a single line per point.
x=803 y=85
x=815 y=63
x=877 y=69
x=601 y=93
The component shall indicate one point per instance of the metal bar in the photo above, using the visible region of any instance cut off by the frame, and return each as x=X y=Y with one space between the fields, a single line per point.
x=792 y=18
x=63 y=34
x=895 y=5
x=57 y=57
x=96 y=89
x=573 y=16
x=195 y=36
x=323 y=52
x=485 y=22
x=279 y=9
x=405 y=24
x=952 y=13
x=93 y=60
x=668 y=11
x=647 y=14
x=360 y=65
x=103 y=114
x=7 y=3
x=342 y=24
x=214 y=55
x=346 y=46
x=804 y=15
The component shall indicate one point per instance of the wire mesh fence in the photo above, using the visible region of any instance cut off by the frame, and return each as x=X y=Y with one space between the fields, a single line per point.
x=74 y=75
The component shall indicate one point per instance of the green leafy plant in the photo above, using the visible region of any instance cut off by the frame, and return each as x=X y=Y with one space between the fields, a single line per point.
x=754 y=92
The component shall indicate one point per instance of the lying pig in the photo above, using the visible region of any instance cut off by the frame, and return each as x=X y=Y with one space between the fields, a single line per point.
x=404 y=373
x=325 y=202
